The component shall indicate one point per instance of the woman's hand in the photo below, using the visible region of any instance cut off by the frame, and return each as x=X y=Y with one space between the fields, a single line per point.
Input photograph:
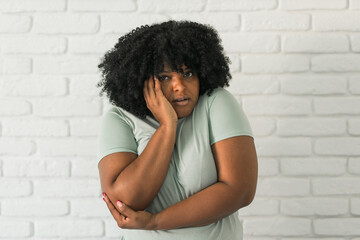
x=128 y=218
x=157 y=103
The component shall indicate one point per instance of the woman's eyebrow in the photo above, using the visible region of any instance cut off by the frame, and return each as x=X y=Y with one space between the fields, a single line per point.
x=186 y=69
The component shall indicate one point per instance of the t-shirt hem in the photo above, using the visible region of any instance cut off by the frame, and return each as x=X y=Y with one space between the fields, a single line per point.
x=242 y=133
x=114 y=150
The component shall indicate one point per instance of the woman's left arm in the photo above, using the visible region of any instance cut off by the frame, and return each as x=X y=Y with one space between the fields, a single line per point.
x=236 y=163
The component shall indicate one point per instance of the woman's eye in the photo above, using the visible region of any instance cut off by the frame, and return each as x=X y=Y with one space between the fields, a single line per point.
x=162 y=78
x=188 y=74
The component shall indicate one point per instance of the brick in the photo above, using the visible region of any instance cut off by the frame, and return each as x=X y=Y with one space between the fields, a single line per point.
x=337 y=105
x=105 y=5
x=32 y=6
x=315 y=238
x=354 y=126
x=262 y=126
x=337 y=226
x=312 y=5
x=85 y=127
x=67 y=188
x=84 y=85
x=92 y=44
x=33 y=45
x=85 y=208
x=66 y=23
x=106 y=105
x=354 y=85
x=34 y=208
x=336 y=186
x=355 y=206
x=311 y=127
x=170 y=6
x=248 y=237
x=222 y=22
x=233 y=5
x=15 y=188
x=314 y=207
x=252 y=84
x=84 y=168
x=315 y=43
x=35 y=128
x=348 y=21
x=283 y=187
x=36 y=168
x=355 y=42
x=324 y=85
x=313 y=166
x=15 y=228
x=69 y=106
x=67 y=147
x=340 y=146
x=14 y=65
x=268 y=167
x=16 y=147
x=275 y=64
x=66 y=65
x=14 y=23
x=235 y=62
x=277 y=226
x=276 y=106
x=354 y=165
x=30 y=86
x=283 y=21
x=14 y=107
x=260 y=207
x=335 y=63
x=112 y=229
x=113 y=23
x=69 y=228
x=283 y=147
x=355 y=4
x=250 y=43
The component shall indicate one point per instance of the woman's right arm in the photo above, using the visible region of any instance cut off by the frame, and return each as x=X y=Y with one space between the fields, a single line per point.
x=136 y=180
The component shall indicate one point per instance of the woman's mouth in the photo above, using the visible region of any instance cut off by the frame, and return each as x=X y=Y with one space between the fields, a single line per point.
x=182 y=101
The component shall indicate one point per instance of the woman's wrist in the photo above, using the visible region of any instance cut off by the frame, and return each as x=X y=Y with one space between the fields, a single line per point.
x=154 y=222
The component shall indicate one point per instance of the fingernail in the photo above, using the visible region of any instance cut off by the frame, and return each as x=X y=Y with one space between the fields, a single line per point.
x=119 y=203
x=104 y=194
x=104 y=199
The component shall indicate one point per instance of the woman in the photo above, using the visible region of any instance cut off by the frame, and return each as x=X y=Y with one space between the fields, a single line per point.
x=177 y=156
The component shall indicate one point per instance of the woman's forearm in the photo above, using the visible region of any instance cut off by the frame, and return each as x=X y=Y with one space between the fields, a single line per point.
x=207 y=206
x=138 y=184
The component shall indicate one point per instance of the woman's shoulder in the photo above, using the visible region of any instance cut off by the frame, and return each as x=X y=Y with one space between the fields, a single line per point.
x=217 y=94
x=118 y=114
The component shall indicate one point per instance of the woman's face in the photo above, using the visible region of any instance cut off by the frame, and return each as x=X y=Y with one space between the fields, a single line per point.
x=179 y=86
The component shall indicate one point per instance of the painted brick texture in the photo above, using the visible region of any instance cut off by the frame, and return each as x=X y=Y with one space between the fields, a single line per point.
x=296 y=73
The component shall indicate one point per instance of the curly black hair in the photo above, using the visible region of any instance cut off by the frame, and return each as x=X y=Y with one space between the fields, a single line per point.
x=142 y=52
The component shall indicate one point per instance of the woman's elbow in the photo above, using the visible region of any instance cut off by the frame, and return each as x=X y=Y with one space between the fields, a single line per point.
x=116 y=192
x=246 y=197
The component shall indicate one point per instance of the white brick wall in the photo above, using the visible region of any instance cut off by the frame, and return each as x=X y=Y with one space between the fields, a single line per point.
x=296 y=72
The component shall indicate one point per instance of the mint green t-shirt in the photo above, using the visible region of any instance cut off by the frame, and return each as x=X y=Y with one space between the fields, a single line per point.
x=192 y=166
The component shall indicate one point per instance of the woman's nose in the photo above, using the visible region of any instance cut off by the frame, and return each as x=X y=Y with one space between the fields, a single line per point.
x=178 y=84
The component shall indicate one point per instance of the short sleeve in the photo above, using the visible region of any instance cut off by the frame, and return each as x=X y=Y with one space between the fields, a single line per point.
x=226 y=117
x=115 y=135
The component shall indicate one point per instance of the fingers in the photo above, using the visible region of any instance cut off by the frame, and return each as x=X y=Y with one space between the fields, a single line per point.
x=148 y=90
x=157 y=87
x=151 y=87
x=114 y=212
x=124 y=210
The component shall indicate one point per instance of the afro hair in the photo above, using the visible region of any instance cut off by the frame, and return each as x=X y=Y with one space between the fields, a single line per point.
x=141 y=53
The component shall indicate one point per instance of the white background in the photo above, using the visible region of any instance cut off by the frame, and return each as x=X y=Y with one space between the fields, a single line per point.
x=296 y=72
